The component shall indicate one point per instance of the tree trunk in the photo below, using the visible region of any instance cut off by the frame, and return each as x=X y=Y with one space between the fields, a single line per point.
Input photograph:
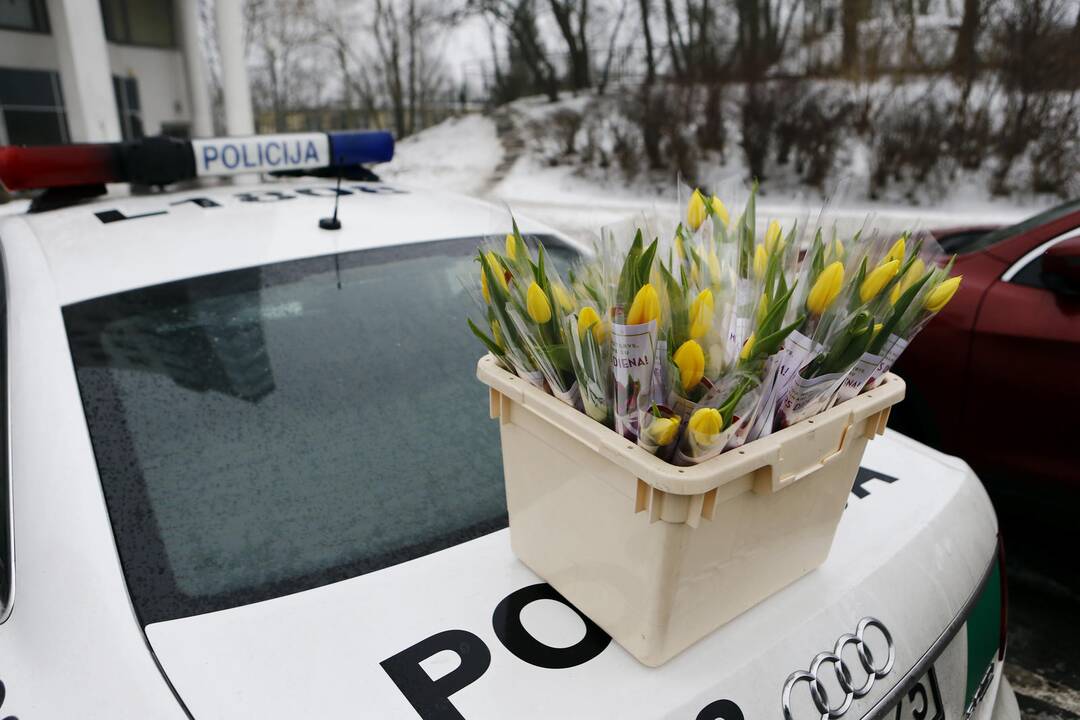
x=576 y=43
x=650 y=59
x=748 y=47
x=275 y=91
x=965 y=59
x=675 y=41
x=851 y=14
x=605 y=75
x=523 y=29
x=650 y=128
x=413 y=29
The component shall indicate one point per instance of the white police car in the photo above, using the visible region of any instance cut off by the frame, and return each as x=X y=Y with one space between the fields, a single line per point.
x=250 y=475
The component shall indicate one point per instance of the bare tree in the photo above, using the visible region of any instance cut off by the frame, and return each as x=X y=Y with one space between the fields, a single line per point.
x=572 y=17
x=613 y=39
x=965 y=60
x=280 y=35
x=404 y=35
x=650 y=58
x=763 y=31
x=676 y=41
x=852 y=12
x=526 y=45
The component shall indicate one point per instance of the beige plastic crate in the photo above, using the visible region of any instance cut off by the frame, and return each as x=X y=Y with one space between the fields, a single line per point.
x=660 y=556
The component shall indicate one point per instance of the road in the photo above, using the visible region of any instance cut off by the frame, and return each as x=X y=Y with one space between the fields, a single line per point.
x=1043 y=657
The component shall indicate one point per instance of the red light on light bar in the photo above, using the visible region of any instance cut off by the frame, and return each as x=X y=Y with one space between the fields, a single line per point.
x=27 y=168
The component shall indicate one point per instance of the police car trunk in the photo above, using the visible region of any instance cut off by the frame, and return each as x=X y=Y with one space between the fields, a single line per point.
x=304 y=490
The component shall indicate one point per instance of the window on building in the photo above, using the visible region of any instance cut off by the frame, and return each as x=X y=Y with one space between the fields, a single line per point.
x=128 y=107
x=139 y=22
x=27 y=15
x=31 y=107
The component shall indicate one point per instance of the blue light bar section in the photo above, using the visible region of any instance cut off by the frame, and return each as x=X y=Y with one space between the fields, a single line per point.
x=360 y=147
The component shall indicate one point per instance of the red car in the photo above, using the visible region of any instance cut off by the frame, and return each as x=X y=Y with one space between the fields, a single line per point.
x=995 y=378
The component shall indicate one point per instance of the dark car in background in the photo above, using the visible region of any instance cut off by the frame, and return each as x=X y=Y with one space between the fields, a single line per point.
x=995 y=378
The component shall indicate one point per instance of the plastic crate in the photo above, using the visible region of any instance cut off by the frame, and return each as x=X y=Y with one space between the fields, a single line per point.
x=660 y=556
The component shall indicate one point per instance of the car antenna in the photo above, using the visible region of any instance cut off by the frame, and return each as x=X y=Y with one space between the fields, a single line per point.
x=332 y=223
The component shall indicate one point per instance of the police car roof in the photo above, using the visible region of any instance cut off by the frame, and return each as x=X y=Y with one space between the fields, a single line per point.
x=121 y=243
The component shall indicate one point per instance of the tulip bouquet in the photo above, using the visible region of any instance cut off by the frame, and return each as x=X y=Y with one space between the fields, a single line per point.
x=525 y=308
x=710 y=337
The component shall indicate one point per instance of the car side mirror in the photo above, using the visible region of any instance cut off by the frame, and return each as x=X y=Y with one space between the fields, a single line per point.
x=1061 y=267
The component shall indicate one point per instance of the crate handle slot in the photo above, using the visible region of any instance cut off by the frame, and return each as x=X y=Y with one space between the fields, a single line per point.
x=786 y=480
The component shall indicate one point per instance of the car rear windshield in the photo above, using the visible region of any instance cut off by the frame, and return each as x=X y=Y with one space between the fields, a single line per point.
x=264 y=431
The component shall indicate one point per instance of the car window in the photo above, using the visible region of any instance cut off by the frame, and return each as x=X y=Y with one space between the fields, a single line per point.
x=264 y=431
x=1028 y=269
x=976 y=242
x=1030 y=274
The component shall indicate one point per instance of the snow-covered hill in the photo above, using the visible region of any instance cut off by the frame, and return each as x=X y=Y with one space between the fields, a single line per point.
x=501 y=157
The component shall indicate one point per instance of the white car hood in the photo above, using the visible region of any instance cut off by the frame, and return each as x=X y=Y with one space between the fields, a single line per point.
x=909 y=552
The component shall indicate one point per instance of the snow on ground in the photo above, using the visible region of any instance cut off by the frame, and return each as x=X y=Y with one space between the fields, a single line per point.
x=464 y=155
x=460 y=154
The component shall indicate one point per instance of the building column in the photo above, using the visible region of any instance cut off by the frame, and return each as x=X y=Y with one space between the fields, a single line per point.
x=234 y=78
x=85 y=75
x=198 y=78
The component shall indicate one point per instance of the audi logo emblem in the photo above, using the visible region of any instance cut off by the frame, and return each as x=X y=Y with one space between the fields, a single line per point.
x=875 y=669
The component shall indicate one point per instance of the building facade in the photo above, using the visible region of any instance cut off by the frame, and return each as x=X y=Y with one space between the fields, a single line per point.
x=108 y=70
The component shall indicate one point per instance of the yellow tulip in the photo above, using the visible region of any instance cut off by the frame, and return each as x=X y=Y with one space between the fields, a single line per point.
x=714 y=266
x=942 y=294
x=537 y=305
x=747 y=348
x=835 y=250
x=695 y=273
x=690 y=359
x=496 y=331
x=600 y=331
x=720 y=211
x=706 y=424
x=761 y=261
x=762 y=309
x=772 y=235
x=662 y=430
x=826 y=288
x=497 y=270
x=563 y=298
x=701 y=313
x=910 y=278
x=896 y=252
x=878 y=278
x=511 y=246
x=696 y=211
x=646 y=306
x=586 y=319
x=679 y=254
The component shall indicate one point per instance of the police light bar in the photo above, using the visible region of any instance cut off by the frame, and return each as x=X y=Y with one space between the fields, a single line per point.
x=162 y=160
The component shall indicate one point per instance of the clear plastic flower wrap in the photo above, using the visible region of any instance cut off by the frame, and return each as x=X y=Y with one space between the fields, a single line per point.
x=711 y=427
x=842 y=332
x=635 y=318
x=587 y=331
x=696 y=337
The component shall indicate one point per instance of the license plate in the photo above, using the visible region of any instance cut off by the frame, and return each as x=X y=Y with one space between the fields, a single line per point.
x=921 y=702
